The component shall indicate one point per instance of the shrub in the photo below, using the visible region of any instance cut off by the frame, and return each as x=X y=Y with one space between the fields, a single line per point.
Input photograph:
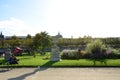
x=115 y=53
x=73 y=54
x=96 y=49
x=85 y=55
x=69 y=54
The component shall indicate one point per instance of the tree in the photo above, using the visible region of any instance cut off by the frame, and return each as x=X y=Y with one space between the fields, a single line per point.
x=41 y=41
x=27 y=43
x=2 y=43
x=14 y=37
x=29 y=36
x=96 y=49
x=14 y=41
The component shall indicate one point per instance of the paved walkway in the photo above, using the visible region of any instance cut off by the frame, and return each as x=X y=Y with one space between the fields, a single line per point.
x=60 y=74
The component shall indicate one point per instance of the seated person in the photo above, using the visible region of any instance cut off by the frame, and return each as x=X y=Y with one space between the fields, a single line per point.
x=13 y=60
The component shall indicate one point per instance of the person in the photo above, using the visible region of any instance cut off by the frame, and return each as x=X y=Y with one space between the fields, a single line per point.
x=79 y=54
x=13 y=60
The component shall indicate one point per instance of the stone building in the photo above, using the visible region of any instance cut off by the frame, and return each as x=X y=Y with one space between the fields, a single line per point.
x=2 y=50
x=56 y=37
x=1 y=39
x=1 y=36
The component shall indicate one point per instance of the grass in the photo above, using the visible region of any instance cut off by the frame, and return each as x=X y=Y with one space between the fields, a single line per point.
x=30 y=61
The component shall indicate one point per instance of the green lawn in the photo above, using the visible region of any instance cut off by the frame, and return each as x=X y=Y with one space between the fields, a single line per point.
x=30 y=61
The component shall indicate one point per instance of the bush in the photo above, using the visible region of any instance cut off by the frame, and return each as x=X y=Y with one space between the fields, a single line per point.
x=113 y=53
x=73 y=54
x=69 y=54
x=96 y=49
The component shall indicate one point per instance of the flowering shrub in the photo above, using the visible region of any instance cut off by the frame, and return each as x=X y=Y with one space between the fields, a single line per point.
x=69 y=54
x=112 y=53
x=73 y=54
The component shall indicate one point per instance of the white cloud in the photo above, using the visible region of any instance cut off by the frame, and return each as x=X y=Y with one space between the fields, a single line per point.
x=19 y=27
x=14 y=26
x=97 y=18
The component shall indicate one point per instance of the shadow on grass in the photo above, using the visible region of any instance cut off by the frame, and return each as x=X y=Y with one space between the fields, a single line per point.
x=49 y=64
x=102 y=61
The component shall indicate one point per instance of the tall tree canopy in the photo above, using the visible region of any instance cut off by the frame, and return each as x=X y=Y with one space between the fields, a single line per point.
x=41 y=41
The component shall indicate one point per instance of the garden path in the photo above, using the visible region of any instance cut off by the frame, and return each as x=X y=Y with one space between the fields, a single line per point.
x=60 y=74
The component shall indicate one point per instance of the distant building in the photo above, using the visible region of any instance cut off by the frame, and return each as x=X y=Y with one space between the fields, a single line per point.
x=56 y=37
x=59 y=35
x=19 y=37
x=1 y=36
x=1 y=42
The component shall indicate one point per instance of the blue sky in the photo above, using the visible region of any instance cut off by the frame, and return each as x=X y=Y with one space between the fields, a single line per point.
x=96 y=18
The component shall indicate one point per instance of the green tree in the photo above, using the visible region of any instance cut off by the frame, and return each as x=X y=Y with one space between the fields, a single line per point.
x=14 y=41
x=29 y=36
x=2 y=43
x=28 y=44
x=96 y=49
x=41 y=41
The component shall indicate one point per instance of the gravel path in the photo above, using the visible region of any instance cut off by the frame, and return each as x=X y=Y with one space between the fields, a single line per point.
x=60 y=74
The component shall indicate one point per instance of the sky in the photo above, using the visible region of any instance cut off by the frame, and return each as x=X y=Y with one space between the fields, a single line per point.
x=72 y=18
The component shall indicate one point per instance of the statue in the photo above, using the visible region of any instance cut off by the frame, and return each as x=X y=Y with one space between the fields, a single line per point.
x=7 y=54
x=55 y=53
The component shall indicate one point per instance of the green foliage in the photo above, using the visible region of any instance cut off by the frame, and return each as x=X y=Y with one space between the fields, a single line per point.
x=30 y=61
x=27 y=42
x=95 y=47
x=69 y=54
x=41 y=41
x=115 y=54
x=74 y=41
x=14 y=42
x=115 y=51
x=73 y=54
x=14 y=37
x=29 y=36
x=112 y=42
